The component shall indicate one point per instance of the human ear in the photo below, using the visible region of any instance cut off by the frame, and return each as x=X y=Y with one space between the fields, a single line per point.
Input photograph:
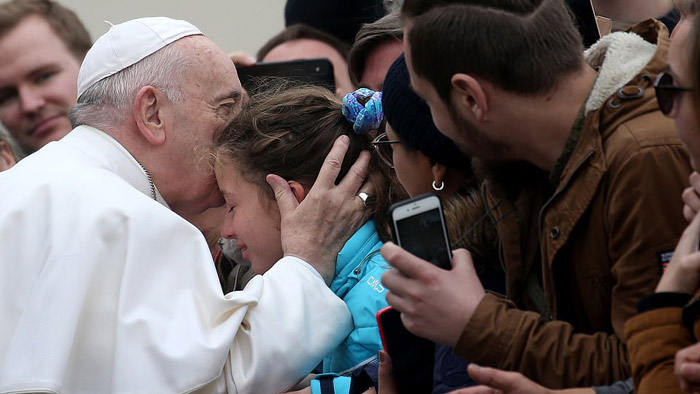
x=439 y=171
x=149 y=114
x=298 y=190
x=471 y=95
x=7 y=159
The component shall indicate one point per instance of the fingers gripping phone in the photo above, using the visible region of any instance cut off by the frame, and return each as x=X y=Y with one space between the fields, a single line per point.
x=418 y=225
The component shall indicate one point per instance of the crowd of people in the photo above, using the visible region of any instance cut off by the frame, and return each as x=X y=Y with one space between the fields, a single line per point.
x=164 y=230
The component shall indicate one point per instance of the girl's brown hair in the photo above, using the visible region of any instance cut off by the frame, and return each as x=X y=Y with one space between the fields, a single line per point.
x=288 y=132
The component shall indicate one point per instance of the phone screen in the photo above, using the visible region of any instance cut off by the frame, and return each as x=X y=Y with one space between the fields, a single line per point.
x=422 y=235
x=317 y=72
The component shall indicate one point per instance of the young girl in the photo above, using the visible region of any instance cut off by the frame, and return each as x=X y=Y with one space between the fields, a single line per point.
x=289 y=133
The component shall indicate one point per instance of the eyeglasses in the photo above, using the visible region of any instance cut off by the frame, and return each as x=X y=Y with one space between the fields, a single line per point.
x=382 y=145
x=667 y=92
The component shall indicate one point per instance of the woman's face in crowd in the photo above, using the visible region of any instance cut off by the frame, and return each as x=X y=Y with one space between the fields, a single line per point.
x=685 y=110
x=413 y=169
x=251 y=219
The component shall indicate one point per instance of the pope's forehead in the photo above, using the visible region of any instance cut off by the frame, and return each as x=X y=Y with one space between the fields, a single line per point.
x=203 y=51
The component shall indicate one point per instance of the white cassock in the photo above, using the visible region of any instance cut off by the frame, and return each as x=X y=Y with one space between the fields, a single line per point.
x=103 y=289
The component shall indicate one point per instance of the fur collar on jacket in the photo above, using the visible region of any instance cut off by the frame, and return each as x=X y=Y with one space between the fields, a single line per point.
x=618 y=57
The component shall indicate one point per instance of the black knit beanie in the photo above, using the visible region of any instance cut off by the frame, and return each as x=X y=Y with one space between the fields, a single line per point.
x=341 y=19
x=409 y=117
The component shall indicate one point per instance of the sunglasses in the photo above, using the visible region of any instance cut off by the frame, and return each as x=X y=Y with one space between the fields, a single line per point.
x=382 y=145
x=667 y=93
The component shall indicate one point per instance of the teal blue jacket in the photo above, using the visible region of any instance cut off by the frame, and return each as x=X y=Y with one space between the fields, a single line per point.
x=357 y=281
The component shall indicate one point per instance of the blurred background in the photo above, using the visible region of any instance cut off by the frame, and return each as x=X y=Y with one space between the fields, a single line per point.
x=235 y=25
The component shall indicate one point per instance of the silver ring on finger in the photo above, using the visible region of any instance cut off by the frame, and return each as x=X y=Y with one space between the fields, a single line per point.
x=367 y=200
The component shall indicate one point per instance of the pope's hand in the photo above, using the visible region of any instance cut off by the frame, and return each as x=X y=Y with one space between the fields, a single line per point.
x=317 y=228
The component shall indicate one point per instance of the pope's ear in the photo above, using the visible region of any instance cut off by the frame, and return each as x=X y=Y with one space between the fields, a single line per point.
x=298 y=190
x=469 y=94
x=149 y=114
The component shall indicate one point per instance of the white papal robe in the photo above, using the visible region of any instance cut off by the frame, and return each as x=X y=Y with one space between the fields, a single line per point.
x=103 y=289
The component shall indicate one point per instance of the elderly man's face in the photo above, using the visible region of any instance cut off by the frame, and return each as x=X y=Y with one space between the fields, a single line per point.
x=38 y=77
x=213 y=98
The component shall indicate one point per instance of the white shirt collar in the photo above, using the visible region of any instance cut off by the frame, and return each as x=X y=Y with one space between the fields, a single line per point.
x=116 y=158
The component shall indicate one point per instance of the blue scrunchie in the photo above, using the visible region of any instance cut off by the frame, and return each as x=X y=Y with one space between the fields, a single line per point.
x=363 y=117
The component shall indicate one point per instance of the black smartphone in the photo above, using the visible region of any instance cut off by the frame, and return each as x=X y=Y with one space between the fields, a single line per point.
x=585 y=20
x=412 y=357
x=304 y=71
x=418 y=225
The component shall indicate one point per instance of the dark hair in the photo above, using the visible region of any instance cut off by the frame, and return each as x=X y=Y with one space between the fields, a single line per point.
x=521 y=46
x=63 y=21
x=298 y=32
x=370 y=36
x=289 y=132
x=339 y=18
x=413 y=8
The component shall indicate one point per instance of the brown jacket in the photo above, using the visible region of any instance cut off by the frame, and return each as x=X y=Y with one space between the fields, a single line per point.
x=654 y=337
x=583 y=247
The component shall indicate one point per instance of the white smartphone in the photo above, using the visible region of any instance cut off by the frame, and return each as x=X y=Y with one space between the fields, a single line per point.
x=418 y=225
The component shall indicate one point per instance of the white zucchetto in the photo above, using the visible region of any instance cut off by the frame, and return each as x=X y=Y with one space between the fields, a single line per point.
x=127 y=43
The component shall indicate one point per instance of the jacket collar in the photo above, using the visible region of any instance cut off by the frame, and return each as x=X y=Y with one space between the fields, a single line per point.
x=354 y=254
x=635 y=96
x=626 y=63
x=112 y=155
x=618 y=57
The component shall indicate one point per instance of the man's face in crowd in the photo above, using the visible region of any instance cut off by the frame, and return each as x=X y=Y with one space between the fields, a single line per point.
x=378 y=62
x=38 y=77
x=453 y=121
x=213 y=97
x=308 y=49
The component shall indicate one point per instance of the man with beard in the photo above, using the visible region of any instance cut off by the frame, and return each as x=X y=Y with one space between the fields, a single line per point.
x=582 y=171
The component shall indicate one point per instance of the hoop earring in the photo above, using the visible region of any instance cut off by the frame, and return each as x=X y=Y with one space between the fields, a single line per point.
x=438 y=188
